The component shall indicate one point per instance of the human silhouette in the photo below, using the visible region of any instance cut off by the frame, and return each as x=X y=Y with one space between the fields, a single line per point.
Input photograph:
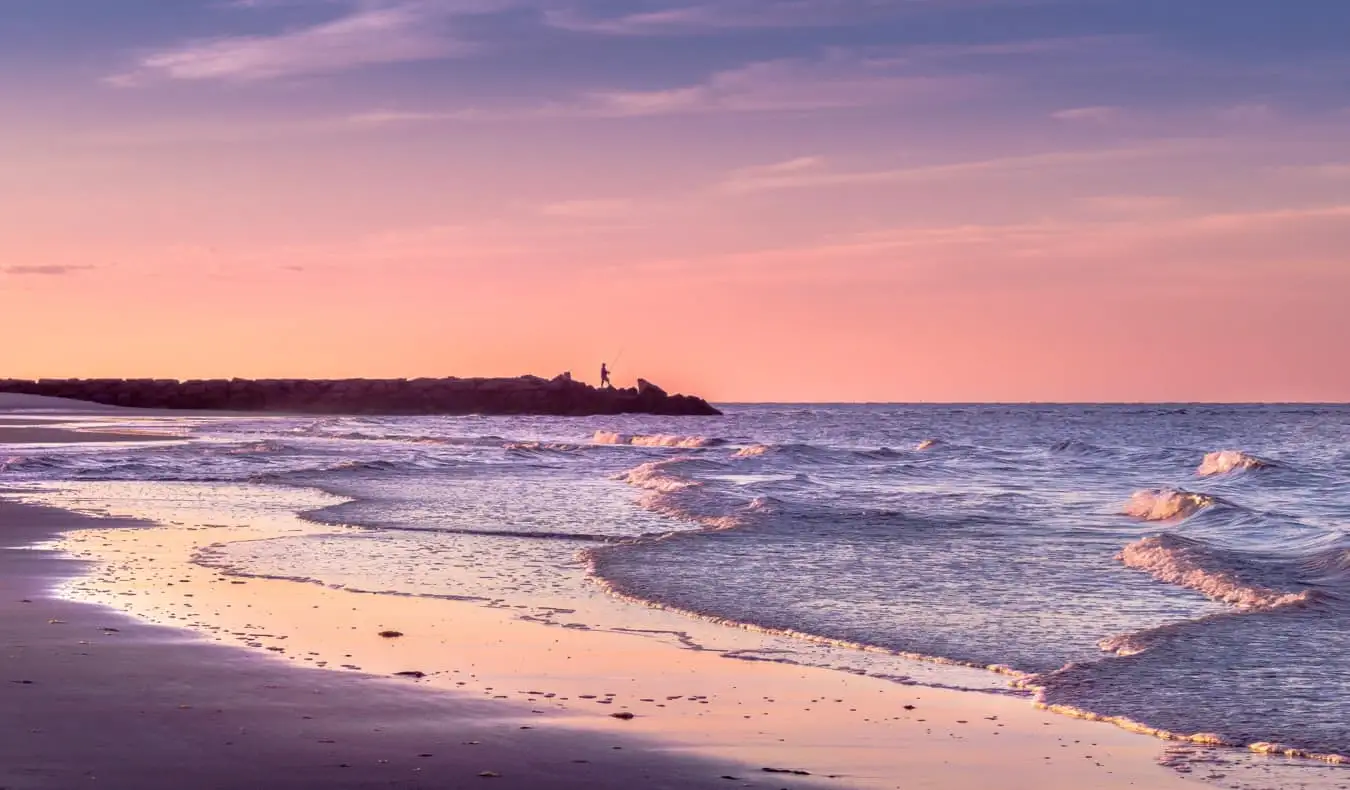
x=604 y=376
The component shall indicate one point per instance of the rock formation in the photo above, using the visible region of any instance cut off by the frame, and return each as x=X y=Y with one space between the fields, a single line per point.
x=524 y=395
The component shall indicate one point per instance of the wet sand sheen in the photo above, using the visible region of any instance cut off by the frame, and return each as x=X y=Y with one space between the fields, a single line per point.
x=92 y=697
x=853 y=731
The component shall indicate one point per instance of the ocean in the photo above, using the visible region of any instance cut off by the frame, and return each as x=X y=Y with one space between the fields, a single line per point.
x=1182 y=570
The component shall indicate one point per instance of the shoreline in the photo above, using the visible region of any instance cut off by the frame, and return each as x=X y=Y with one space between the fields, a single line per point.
x=94 y=693
x=949 y=738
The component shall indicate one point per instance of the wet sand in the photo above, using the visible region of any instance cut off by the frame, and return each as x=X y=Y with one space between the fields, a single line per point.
x=27 y=432
x=842 y=729
x=90 y=697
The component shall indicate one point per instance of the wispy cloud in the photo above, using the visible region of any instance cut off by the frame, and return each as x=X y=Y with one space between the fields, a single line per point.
x=1099 y=115
x=722 y=15
x=44 y=270
x=836 y=80
x=813 y=172
x=368 y=34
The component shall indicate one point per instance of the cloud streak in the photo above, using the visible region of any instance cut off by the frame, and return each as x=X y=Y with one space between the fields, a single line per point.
x=814 y=172
x=367 y=35
x=837 y=80
x=43 y=270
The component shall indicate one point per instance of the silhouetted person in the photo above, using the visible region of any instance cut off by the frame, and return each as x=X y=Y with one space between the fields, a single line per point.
x=604 y=376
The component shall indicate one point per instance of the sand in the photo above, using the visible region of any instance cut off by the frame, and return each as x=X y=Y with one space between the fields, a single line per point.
x=846 y=730
x=90 y=697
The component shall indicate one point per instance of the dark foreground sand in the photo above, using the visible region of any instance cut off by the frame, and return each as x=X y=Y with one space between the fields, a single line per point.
x=144 y=708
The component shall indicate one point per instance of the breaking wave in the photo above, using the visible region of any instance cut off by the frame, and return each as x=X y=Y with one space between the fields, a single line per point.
x=1224 y=461
x=655 y=440
x=1192 y=564
x=1167 y=504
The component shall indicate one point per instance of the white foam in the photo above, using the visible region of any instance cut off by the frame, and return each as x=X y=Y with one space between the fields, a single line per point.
x=1174 y=561
x=654 y=477
x=653 y=440
x=1166 y=504
x=1224 y=461
x=752 y=451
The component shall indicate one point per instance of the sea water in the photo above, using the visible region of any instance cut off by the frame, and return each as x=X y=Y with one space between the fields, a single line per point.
x=1180 y=569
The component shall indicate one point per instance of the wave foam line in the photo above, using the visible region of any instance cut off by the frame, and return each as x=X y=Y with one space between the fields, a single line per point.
x=1202 y=738
x=654 y=440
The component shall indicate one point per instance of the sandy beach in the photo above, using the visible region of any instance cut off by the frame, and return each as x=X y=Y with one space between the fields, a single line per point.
x=92 y=696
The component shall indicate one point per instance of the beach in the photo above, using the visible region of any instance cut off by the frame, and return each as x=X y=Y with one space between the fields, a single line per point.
x=157 y=656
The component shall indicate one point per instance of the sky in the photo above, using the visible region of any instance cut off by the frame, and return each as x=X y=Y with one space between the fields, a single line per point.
x=752 y=200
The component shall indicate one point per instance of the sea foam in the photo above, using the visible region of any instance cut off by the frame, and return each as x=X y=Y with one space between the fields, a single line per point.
x=654 y=440
x=1224 y=461
x=1166 y=504
x=1188 y=563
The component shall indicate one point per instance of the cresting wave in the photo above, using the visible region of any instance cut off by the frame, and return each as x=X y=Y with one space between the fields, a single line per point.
x=1166 y=504
x=1188 y=563
x=1223 y=462
x=655 y=440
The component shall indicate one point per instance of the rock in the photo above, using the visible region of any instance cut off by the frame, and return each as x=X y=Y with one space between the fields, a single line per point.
x=523 y=395
x=644 y=387
x=412 y=673
x=391 y=634
x=623 y=714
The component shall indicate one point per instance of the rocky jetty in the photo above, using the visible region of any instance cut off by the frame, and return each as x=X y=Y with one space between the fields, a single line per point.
x=523 y=395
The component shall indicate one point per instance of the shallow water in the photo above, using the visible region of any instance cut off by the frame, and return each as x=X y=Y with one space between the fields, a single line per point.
x=1101 y=554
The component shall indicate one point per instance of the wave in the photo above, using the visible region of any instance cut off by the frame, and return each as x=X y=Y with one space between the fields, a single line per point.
x=655 y=440
x=1189 y=563
x=810 y=453
x=928 y=444
x=1167 y=504
x=1224 y=461
x=594 y=559
x=28 y=463
x=258 y=448
x=543 y=447
x=655 y=476
x=1075 y=447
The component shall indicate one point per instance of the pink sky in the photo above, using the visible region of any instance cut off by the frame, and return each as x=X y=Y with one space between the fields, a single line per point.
x=817 y=228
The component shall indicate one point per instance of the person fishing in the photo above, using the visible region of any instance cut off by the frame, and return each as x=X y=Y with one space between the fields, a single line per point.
x=604 y=376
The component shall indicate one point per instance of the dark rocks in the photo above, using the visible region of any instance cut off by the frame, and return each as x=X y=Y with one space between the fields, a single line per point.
x=623 y=714
x=391 y=634
x=559 y=396
x=644 y=387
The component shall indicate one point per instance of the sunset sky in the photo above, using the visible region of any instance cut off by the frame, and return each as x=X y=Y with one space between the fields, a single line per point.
x=899 y=200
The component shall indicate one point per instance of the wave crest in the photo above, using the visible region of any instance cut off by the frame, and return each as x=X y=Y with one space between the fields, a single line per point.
x=654 y=440
x=753 y=451
x=1224 y=461
x=1188 y=563
x=653 y=476
x=1166 y=504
